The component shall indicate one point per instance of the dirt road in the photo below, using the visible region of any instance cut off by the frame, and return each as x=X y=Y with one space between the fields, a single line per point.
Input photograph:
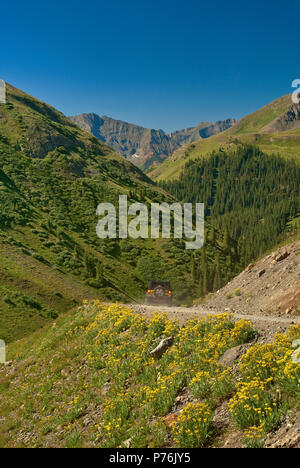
x=267 y=325
x=267 y=293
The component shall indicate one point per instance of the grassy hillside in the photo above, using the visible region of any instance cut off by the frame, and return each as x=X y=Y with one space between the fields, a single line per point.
x=275 y=129
x=256 y=122
x=52 y=177
x=89 y=380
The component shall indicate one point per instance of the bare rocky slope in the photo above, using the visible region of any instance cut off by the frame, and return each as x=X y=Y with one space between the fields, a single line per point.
x=271 y=286
x=142 y=146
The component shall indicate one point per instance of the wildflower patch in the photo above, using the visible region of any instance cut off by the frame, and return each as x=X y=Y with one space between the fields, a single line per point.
x=57 y=391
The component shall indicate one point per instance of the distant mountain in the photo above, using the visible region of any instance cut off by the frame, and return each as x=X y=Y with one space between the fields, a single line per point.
x=275 y=128
x=142 y=146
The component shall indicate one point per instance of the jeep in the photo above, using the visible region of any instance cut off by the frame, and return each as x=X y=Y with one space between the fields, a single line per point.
x=159 y=292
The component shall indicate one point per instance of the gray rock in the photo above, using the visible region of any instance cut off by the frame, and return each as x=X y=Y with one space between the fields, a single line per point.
x=162 y=347
x=280 y=256
x=105 y=388
x=230 y=356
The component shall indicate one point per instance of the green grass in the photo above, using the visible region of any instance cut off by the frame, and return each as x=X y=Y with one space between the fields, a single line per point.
x=253 y=123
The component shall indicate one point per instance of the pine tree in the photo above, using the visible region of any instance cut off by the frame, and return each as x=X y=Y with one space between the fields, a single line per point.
x=194 y=269
x=90 y=265
x=217 y=276
x=204 y=271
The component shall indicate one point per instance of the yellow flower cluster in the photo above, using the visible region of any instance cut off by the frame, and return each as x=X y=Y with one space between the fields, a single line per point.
x=132 y=396
x=252 y=405
x=141 y=387
x=254 y=436
x=269 y=377
x=193 y=425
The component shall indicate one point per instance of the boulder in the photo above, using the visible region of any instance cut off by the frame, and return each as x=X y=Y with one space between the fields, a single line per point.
x=249 y=267
x=231 y=355
x=279 y=256
x=162 y=347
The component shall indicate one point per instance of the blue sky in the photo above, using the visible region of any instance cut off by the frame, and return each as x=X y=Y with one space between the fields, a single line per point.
x=162 y=64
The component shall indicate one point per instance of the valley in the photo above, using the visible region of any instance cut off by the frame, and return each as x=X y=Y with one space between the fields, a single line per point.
x=53 y=175
x=149 y=228
x=71 y=306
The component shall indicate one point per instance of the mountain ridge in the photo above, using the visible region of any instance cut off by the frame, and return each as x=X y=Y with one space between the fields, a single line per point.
x=142 y=146
x=275 y=129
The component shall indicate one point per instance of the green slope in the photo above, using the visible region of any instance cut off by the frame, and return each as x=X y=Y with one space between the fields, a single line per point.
x=255 y=122
x=275 y=129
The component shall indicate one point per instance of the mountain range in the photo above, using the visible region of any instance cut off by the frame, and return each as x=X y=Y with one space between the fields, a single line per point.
x=142 y=146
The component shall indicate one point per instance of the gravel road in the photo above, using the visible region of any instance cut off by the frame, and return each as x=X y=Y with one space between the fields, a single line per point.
x=266 y=324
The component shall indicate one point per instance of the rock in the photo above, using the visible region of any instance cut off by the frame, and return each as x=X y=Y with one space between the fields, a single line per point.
x=127 y=443
x=162 y=347
x=288 y=310
x=288 y=436
x=249 y=267
x=179 y=399
x=230 y=356
x=86 y=422
x=105 y=388
x=261 y=273
x=278 y=257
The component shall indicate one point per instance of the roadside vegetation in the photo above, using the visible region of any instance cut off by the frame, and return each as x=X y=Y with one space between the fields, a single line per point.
x=90 y=380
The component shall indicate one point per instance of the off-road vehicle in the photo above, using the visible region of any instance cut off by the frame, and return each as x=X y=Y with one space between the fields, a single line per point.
x=159 y=292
